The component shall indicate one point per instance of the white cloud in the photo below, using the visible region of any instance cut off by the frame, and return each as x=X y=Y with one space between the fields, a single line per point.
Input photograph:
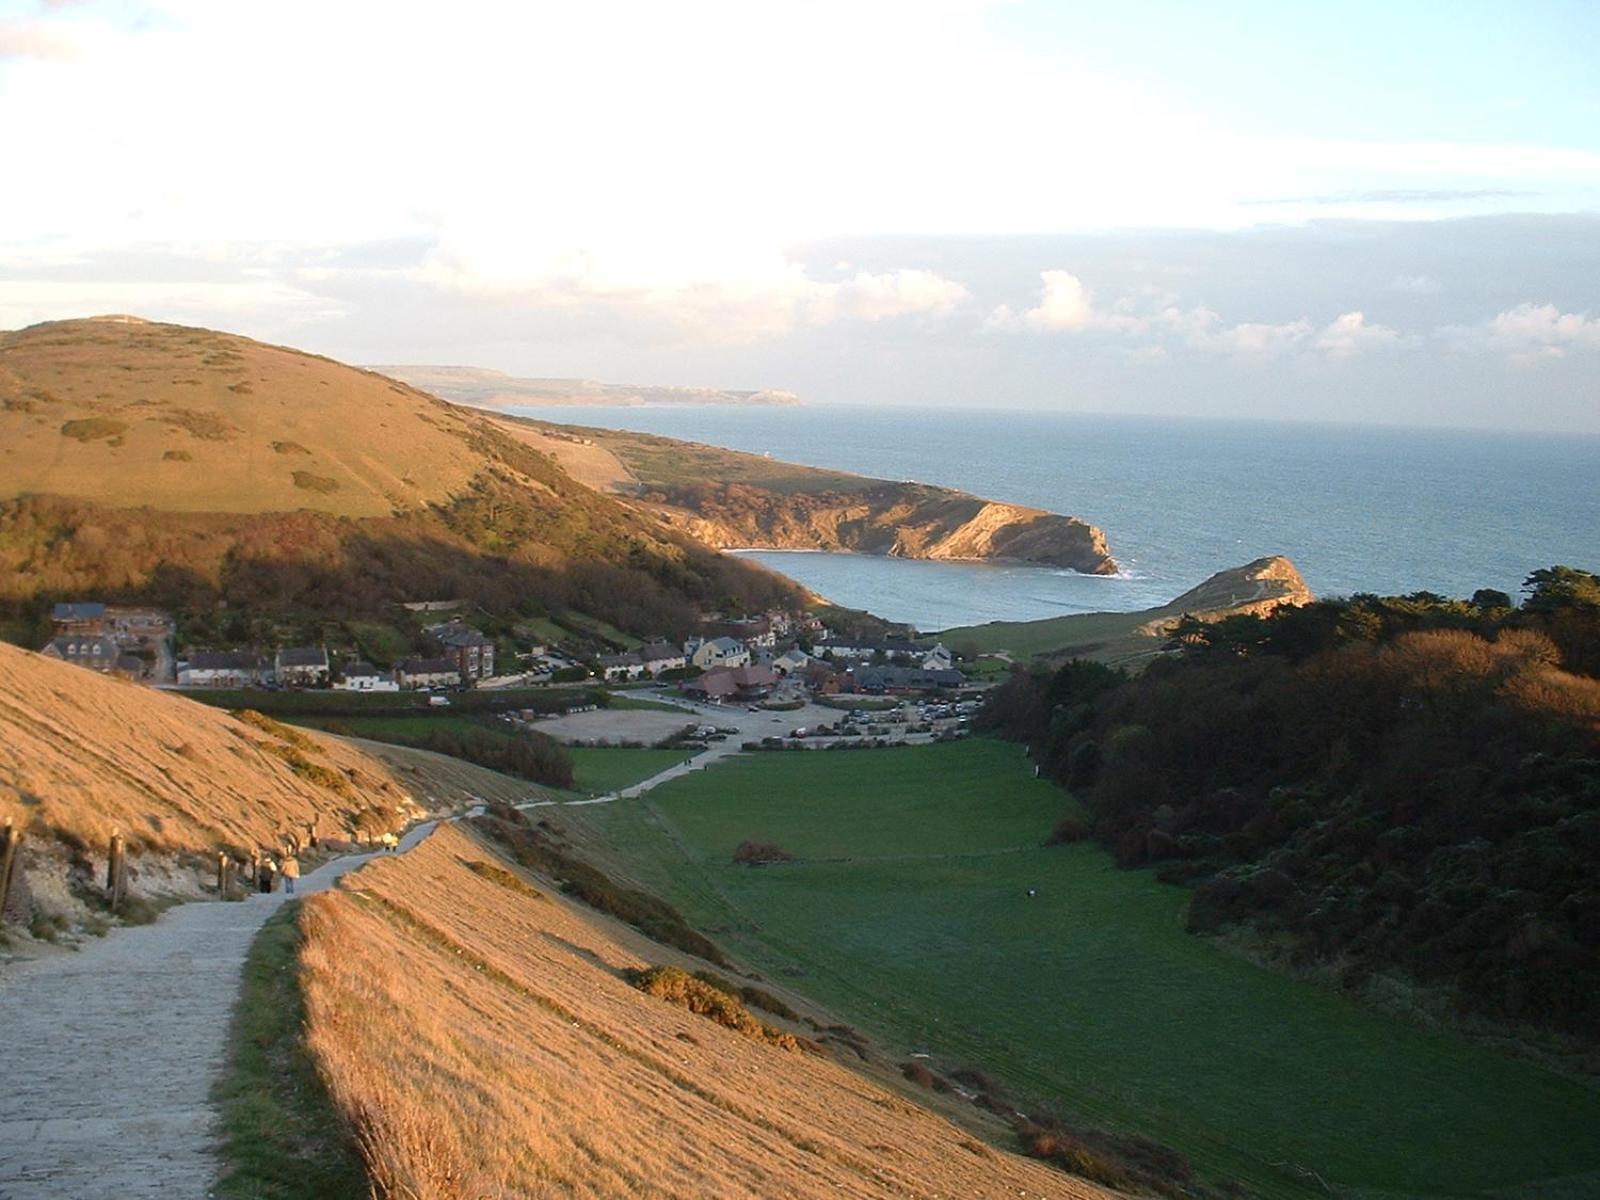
x=1530 y=332
x=1066 y=306
x=1349 y=335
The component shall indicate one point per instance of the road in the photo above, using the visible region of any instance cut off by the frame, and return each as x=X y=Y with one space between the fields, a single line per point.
x=110 y=1053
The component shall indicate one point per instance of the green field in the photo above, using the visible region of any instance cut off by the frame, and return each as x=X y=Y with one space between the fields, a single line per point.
x=601 y=769
x=909 y=917
x=384 y=729
x=1107 y=637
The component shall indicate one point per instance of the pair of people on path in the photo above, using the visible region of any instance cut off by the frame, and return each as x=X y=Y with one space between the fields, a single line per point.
x=289 y=868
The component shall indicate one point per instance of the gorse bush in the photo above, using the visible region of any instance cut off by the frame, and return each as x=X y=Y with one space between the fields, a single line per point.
x=679 y=987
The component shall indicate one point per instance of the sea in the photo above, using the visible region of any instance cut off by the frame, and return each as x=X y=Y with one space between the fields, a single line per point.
x=1357 y=509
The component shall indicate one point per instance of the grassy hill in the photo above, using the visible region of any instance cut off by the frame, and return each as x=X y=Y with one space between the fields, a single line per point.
x=192 y=468
x=82 y=754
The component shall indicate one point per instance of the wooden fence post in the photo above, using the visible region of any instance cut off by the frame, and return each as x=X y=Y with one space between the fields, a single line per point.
x=10 y=840
x=114 y=875
x=222 y=875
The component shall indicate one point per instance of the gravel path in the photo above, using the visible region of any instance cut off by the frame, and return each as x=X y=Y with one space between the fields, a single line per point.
x=108 y=1055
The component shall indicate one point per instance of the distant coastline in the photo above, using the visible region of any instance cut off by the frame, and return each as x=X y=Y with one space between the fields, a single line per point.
x=483 y=388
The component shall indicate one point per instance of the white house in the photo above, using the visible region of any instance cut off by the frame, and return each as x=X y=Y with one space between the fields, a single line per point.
x=615 y=668
x=719 y=652
x=661 y=656
x=303 y=666
x=938 y=659
x=364 y=677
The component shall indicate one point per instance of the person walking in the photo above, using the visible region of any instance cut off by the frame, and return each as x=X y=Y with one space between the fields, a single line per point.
x=264 y=880
x=291 y=872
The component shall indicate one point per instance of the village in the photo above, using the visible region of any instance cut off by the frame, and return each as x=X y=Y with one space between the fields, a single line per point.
x=775 y=658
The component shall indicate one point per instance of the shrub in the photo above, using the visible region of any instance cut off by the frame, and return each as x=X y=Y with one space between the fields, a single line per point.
x=92 y=428
x=701 y=998
x=920 y=1075
x=753 y=996
x=289 y=448
x=177 y=456
x=306 y=481
x=1068 y=830
x=760 y=854
x=505 y=879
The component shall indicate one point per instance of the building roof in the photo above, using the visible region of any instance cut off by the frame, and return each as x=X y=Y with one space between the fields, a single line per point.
x=303 y=656
x=628 y=659
x=89 y=611
x=224 y=660
x=360 y=669
x=659 y=652
x=727 y=645
x=714 y=683
x=456 y=634
x=905 y=677
x=82 y=645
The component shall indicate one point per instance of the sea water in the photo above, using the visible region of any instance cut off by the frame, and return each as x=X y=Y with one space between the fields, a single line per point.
x=1358 y=509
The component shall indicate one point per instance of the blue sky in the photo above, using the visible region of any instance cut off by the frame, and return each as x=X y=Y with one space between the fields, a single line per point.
x=1385 y=212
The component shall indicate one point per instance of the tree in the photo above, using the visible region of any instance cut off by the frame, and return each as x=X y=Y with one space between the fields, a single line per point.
x=1554 y=588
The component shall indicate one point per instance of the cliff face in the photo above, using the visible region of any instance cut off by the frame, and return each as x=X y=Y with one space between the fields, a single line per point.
x=903 y=520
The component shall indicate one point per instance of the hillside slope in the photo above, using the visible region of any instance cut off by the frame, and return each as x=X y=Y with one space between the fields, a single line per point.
x=731 y=500
x=187 y=467
x=483 y=1042
x=1256 y=588
x=82 y=754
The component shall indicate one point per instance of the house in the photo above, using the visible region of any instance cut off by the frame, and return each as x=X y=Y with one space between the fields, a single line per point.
x=303 y=666
x=791 y=660
x=662 y=656
x=717 y=652
x=364 y=677
x=473 y=653
x=98 y=652
x=937 y=659
x=427 y=672
x=821 y=678
x=733 y=683
x=222 y=669
x=617 y=667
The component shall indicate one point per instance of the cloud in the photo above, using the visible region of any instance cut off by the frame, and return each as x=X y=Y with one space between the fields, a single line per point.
x=1531 y=332
x=1065 y=306
x=1349 y=335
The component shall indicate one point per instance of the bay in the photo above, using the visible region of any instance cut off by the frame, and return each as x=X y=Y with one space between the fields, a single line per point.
x=1377 y=509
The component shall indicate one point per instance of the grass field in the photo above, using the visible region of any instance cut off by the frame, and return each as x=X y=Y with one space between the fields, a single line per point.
x=601 y=769
x=1108 y=637
x=909 y=916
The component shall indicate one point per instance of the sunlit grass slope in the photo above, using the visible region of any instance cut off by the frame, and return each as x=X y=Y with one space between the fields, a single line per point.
x=483 y=1043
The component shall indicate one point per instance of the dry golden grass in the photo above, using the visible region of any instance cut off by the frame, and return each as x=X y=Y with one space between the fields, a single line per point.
x=82 y=754
x=484 y=1044
x=188 y=420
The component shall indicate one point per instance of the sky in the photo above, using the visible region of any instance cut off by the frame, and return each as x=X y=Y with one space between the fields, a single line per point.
x=1365 y=212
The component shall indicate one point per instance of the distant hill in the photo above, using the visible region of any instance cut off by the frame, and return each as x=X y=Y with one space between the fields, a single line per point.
x=483 y=388
x=729 y=499
x=199 y=469
x=1127 y=638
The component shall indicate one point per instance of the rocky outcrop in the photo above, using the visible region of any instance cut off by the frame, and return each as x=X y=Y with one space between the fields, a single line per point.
x=903 y=520
x=1253 y=589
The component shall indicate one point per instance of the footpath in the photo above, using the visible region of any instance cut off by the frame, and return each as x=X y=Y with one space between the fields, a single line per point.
x=108 y=1055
